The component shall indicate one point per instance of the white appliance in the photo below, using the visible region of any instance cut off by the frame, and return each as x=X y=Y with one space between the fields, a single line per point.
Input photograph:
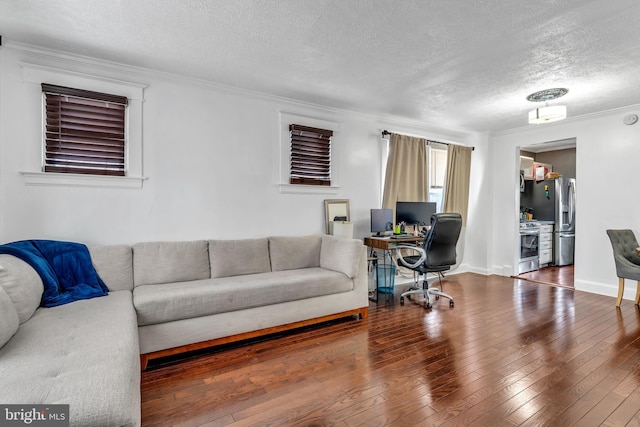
x=529 y=246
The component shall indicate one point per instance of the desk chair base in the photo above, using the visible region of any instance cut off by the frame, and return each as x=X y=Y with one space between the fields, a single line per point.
x=426 y=293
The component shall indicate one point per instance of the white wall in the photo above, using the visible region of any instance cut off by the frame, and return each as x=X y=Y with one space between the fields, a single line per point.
x=197 y=135
x=477 y=234
x=212 y=157
x=607 y=154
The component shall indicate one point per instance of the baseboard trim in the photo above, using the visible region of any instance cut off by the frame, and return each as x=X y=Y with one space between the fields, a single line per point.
x=596 y=287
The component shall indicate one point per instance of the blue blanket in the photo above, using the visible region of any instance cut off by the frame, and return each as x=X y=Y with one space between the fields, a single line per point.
x=65 y=268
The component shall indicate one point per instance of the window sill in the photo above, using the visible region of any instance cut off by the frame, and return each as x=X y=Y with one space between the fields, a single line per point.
x=307 y=189
x=79 y=180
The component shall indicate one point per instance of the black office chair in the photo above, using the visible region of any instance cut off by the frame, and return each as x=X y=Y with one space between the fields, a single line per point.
x=624 y=245
x=437 y=255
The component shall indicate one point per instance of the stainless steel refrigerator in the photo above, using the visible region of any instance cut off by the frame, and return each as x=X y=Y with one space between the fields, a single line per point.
x=555 y=200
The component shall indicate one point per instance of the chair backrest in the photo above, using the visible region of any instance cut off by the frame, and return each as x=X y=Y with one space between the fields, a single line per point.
x=624 y=245
x=440 y=242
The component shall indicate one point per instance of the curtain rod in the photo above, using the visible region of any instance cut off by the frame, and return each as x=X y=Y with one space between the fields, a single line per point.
x=386 y=132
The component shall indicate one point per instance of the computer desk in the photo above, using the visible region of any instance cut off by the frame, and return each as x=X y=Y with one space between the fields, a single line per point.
x=386 y=245
x=389 y=243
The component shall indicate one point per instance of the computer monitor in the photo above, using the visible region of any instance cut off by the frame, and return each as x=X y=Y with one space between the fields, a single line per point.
x=381 y=220
x=415 y=212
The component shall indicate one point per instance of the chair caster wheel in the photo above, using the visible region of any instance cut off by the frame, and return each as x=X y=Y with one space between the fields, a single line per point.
x=428 y=306
x=401 y=300
x=451 y=304
x=437 y=297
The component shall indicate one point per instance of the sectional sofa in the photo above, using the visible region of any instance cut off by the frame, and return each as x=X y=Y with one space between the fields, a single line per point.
x=164 y=298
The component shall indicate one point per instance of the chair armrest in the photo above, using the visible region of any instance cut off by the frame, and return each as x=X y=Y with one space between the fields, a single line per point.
x=626 y=268
x=421 y=251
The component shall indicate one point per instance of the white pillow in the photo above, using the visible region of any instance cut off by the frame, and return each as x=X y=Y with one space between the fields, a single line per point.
x=114 y=265
x=22 y=284
x=342 y=255
x=293 y=252
x=236 y=257
x=166 y=262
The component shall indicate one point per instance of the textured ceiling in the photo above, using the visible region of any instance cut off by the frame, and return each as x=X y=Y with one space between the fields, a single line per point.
x=460 y=64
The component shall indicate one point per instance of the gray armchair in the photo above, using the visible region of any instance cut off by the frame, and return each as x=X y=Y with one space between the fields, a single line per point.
x=624 y=244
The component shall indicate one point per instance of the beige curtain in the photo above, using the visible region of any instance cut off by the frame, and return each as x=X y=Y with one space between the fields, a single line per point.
x=456 y=187
x=406 y=175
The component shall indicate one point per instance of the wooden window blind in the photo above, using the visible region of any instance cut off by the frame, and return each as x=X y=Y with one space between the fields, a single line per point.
x=310 y=155
x=84 y=131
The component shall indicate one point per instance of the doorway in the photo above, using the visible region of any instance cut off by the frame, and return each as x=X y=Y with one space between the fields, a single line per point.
x=551 y=275
x=547 y=199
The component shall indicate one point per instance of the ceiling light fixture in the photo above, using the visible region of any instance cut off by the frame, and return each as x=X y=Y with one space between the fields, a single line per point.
x=547 y=114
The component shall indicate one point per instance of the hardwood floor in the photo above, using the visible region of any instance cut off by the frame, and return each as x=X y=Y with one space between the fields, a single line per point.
x=511 y=352
x=558 y=276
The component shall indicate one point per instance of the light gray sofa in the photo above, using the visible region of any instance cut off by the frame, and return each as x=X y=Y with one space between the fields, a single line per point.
x=165 y=298
x=191 y=295
x=84 y=354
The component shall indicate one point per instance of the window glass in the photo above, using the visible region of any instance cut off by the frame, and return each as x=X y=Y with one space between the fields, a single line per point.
x=437 y=174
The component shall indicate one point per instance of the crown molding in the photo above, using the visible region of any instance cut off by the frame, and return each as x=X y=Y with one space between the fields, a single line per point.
x=73 y=61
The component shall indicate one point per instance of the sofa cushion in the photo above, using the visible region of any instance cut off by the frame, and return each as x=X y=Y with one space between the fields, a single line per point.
x=23 y=285
x=114 y=265
x=237 y=257
x=174 y=301
x=294 y=252
x=9 y=321
x=166 y=262
x=85 y=354
x=341 y=255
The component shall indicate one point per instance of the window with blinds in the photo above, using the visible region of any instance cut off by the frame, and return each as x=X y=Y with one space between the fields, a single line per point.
x=310 y=157
x=84 y=131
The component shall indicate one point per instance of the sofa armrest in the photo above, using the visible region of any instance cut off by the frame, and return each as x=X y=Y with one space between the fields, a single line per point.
x=341 y=255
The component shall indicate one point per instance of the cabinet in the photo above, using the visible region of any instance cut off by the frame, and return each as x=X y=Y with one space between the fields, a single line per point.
x=530 y=167
x=540 y=170
x=546 y=244
x=526 y=166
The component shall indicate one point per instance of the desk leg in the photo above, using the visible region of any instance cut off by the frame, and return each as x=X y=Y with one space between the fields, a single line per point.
x=373 y=261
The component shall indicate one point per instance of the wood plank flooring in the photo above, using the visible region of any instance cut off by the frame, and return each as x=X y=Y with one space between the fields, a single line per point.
x=511 y=352
x=558 y=276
